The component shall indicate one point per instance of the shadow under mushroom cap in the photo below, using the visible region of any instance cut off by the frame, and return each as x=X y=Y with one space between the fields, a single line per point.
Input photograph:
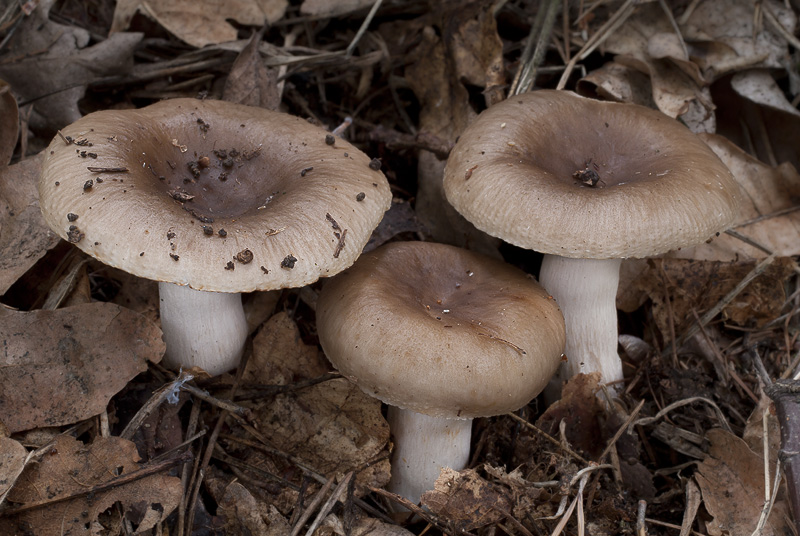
x=213 y=195
x=516 y=173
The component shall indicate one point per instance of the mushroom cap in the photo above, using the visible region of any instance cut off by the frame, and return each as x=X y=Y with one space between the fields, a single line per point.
x=516 y=174
x=215 y=195
x=441 y=330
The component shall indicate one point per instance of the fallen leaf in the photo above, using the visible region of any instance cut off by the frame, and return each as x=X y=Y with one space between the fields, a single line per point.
x=62 y=366
x=24 y=235
x=721 y=36
x=12 y=461
x=243 y=513
x=648 y=43
x=765 y=190
x=55 y=64
x=280 y=356
x=71 y=467
x=467 y=500
x=250 y=82
x=616 y=82
x=9 y=123
x=731 y=480
x=204 y=22
x=333 y=426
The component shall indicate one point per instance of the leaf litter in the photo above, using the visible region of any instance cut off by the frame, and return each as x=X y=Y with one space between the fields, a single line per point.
x=288 y=446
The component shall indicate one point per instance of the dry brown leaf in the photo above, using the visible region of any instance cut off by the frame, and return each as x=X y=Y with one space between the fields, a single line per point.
x=243 y=513
x=333 y=426
x=720 y=34
x=71 y=467
x=250 y=82
x=477 y=49
x=24 y=236
x=204 y=22
x=467 y=500
x=280 y=356
x=616 y=82
x=9 y=123
x=731 y=479
x=648 y=43
x=764 y=190
x=55 y=64
x=59 y=367
x=12 y=460
x=332 y=8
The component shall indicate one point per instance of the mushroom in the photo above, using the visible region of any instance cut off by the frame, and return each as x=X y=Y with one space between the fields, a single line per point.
x=211 y=199
x=442 y=335
x=588 y=183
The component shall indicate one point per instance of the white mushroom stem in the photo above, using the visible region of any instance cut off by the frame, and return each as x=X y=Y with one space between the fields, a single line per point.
x=423 y=445
x=202 y=329
x=586 y=291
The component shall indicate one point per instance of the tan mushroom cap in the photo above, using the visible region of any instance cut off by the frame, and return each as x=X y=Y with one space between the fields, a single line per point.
x=217 y=196
x=512 y=175
x=441 y=330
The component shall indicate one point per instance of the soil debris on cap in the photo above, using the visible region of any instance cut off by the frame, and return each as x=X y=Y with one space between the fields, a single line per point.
x=375 y=164
x=245 y=256
x=74 y=234
x=72 y=217
x=289 y=262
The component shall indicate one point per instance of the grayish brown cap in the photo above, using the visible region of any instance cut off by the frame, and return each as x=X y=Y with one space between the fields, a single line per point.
x=441 y=330
x=516 y=174
x=214 y=195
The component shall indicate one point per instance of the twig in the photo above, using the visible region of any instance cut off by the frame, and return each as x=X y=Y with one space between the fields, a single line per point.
x=615 y=21
x=625 y=426
x=532 y=56
x=311 y=507
x=641 y=528
x=721 y=416
x=328 y=506
x=221 y=404
x=364 y=25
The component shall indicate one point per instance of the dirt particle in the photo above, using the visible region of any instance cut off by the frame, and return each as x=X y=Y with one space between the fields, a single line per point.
x=263 y=269
x=170 y=235
x=88 y=184
x=203 y=162
x=72 y=217
x=175 y=257
x=208 y=230
x=305 y=170
x=289 y=262
x=360 y=196
x=375 y=164
x=330 y=139
x=74 y=234
x=222 y=233
x=141 y=254
x=245 y=256
x=230 y=266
